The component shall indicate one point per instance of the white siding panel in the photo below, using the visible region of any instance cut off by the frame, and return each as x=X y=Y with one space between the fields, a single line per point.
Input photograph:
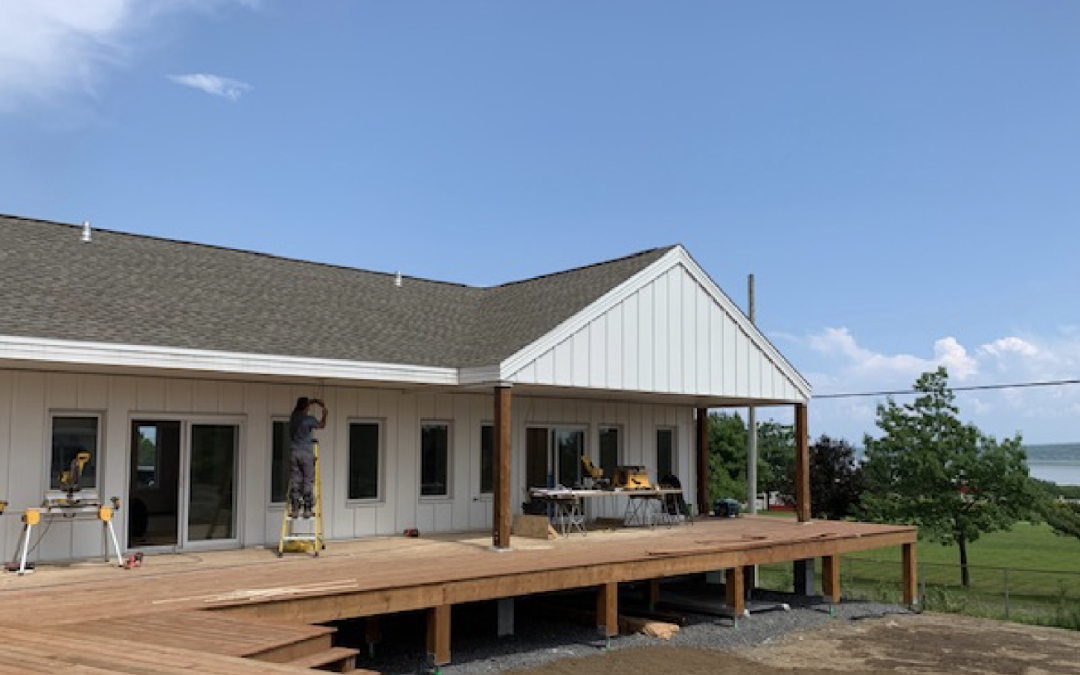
x=742 y=362
x=631 y=362
x=614 y=349
x=675 y=331
x=646 y=339
x=545 y=367
x=597 y=356
x=580 y=359
x=564 y=361
x=150 y=393
x=703 y=367
x=93 y=392
x=716 y=349
x=731 y=355
x=661 y=321
x=688 y=338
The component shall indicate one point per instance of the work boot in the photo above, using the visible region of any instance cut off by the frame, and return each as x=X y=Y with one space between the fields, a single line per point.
x=294 y=508
x=307 y=511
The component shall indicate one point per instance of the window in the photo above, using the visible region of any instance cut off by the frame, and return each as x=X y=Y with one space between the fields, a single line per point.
x=72 y=434
x=435 y=459
x=279 y=463
x=569 y=449
x=364 y=453
x=487 y=459
x=665 y=453
x=609 y=450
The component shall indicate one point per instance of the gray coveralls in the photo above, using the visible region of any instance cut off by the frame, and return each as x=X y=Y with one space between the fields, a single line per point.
x=301 y=461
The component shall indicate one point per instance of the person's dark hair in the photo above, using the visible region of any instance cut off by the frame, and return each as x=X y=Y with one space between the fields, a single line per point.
x=301 y=403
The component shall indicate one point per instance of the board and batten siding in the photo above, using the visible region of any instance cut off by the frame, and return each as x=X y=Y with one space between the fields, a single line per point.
x=27 y=398
x=668 y=336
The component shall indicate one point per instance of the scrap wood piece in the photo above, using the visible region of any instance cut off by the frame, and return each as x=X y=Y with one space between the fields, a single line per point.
x=255 y=594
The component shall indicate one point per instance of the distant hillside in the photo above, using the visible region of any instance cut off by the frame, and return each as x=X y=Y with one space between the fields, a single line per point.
x=1053 y=452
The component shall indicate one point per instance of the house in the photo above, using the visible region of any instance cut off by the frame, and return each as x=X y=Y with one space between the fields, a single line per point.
x=177 y=364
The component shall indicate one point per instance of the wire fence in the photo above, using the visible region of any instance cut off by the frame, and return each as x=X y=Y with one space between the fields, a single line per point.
x=1044 y=597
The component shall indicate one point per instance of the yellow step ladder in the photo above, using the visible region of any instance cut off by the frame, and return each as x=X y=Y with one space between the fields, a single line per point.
x=312 y=537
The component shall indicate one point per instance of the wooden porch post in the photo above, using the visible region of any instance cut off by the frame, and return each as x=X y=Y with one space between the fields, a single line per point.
x=734 y=591
x=911 y=574
x=702 y=461
x=830 y=578
x=802 y=464
x=607 y=609
x=438 y=634
x=501 y=474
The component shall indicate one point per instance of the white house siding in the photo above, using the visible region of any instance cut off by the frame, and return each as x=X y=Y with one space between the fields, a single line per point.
x=28 y=397
x=670 y=335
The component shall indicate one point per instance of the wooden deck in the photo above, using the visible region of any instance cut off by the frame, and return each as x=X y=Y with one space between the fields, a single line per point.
x=383 y=576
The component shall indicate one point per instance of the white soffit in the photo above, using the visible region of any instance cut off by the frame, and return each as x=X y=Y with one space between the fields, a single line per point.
x=667 y=329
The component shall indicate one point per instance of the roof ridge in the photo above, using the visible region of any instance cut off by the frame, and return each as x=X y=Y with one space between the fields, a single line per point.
x=638 y=254
x=245 y=251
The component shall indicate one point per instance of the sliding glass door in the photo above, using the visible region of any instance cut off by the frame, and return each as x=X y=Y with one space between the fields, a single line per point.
x=211 y=512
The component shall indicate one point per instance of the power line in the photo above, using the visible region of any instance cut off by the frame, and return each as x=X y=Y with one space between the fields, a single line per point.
x=979 y=387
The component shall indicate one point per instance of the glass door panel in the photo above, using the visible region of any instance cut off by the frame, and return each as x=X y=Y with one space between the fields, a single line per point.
x=154 y=491
x=569 y=447
x=212 y=482
x=536 y=457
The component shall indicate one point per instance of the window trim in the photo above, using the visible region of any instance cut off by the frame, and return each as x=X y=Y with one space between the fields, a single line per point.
x=99 y=459
x=449 y=496
x=380 y=485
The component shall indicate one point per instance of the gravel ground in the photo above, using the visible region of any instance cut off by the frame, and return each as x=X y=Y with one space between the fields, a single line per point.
x=540 y=640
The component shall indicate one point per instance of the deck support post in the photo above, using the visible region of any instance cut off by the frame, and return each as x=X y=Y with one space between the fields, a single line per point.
x=702 y=461
x=372 y=634
x=911 y=574
x=506 y=616
x=653 y=594
x=802 y=464
x=830 y=578
x=607 y=609
x=804 y=577
x=734 y=592
x=438 y=635
x=501 y=474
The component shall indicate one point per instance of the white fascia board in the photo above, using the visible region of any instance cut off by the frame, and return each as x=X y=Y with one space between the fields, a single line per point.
x=676 y=256
x=140 y=356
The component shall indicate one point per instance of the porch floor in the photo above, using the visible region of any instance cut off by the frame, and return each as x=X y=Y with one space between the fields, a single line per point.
x=384 y=575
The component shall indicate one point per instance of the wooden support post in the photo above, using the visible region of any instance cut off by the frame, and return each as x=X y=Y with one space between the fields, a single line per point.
x=702 y=461
x=505 y=609
x=911 y=574
x=654 y=593
x=830 y=578
x=735 y=596
x=372 y=634
x=750 y=580
x=438 y=635
x=502 y=458
x=802 y=464
x=607 y=609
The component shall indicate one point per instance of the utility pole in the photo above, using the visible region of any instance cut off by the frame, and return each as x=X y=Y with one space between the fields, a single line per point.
x=751 y=430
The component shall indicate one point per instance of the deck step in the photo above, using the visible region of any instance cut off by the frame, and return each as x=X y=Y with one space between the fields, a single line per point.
x=339 y=659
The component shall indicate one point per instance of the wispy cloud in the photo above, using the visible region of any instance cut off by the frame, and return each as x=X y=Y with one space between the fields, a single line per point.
x=50 y=48
x=213 y=84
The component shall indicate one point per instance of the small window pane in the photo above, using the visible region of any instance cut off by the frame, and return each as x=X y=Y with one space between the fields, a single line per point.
x=665 y=443
x=609 y=450
x=434 y=460
x=70 y=436
x=279 y=470
x=364 y=460
x=569 y=447
x=487 y=459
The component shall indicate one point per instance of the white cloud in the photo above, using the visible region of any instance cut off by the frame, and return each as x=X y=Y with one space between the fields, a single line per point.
x=213 y=84
x=54 y=47
x=1006 y=345
x=864 y=365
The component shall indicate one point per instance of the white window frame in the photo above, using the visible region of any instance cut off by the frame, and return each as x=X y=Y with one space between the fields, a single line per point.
x=99 y=459
x=449 y=496
x=380 y=486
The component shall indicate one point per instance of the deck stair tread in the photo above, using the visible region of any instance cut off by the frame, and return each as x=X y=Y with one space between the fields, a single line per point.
x=34 y=652
x=209 y=631
x=325 y=658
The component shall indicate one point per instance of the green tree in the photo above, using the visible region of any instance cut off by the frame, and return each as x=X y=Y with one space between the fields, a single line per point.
x=776 y=465
x=836 y=480
x=948 y=478
x=727 y=456
x=1064 y=517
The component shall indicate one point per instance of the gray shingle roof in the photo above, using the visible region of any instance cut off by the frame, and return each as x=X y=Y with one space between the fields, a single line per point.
x=131 y=289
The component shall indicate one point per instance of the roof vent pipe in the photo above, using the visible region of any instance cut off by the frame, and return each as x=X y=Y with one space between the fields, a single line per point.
x=397 y=279
x=86 y=234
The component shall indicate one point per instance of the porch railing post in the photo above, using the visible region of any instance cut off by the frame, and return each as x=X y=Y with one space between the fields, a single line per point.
x=702 y=461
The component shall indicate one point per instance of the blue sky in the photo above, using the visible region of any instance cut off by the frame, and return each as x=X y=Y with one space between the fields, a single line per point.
x=903 y=178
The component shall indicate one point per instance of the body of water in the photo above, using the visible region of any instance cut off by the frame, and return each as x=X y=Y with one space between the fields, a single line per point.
x=1062 y=472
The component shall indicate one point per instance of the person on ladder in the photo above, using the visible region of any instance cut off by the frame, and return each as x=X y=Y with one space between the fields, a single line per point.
x=301 y=459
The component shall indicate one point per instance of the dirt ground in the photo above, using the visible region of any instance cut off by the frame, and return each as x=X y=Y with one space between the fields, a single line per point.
x=924 y=644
